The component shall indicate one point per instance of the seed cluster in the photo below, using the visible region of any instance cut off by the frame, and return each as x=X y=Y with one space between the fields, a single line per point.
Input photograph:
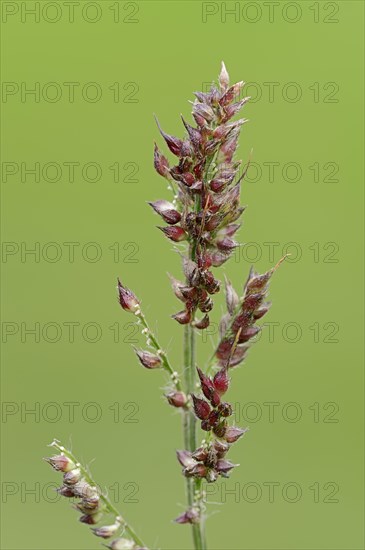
x=206 y=204
x=237 y=326
x=208 y=461
x=204 y=213
x=89 y=502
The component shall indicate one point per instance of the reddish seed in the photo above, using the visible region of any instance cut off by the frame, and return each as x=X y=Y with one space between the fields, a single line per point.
x=201 y=408
x=225 y=409
x=188 y=179
x=206 y=384
x=174 y=233
x=221 y=381
x=147 y=359
x=224 y=466
x=215 y=399
x=260 y=312
x=248 y=333
x=220 y=429
x=252 y=301
x=60 y=463
x=198 y=470
x=127 y=299
x=177 y=399
x=174 y=144
x=226 y=244
x=203 y=323
x=183 y=317
x=185 y=459
x=205 y=425
x=66 y=491
x=161 y=163
x=213 y=418
x=167 y=211
x=233 y=433
x=200 y=454
x=221 y=448
x=190 y=516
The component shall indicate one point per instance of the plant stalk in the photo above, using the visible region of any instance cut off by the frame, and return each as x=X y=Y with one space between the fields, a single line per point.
x=193 y=486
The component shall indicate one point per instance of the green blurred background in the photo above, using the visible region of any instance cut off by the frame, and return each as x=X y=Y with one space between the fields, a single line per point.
x=301 y=390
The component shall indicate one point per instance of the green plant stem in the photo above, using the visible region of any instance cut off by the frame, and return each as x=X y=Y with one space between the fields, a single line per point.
x=189 y=369
x=195 y=495
x=193 y=486
x=188 y=417
x=108 y=505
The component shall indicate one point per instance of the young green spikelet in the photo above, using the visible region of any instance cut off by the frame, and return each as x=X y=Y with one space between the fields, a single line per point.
x=94 y=506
